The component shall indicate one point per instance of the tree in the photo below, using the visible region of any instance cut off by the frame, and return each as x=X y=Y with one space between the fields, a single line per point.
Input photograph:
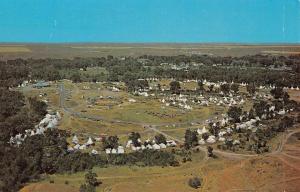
x=205 y=136
x=210 y=151
x=260 y=107
x=277 y=92
x=38 y=107
x=135 y=137
x=195 y=182
x=91 y=178
x=76 y=77
x=251 y=88
x=201 y=86
x=111 y=142
x=225 y=88
x=235 y=87
x=190 y=139
x=235 y=113
x=160 y=138
x=175 y=87
x=159 y=86
x=91 y=182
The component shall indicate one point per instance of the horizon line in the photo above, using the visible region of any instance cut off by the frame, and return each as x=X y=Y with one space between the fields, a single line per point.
x=137 y=43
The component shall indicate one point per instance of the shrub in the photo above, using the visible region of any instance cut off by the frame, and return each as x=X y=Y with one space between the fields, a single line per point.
x=195 y=182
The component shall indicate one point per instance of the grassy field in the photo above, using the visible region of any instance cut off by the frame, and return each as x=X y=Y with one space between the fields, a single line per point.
x=102 y=49
x=14 y=49
x=263 y=173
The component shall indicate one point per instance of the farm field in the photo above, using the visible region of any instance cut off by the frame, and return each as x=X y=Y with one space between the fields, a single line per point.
x=98 y=50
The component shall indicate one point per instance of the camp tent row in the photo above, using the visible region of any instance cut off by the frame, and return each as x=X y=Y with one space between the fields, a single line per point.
x=48 y=122
x=150 y=145
x=119 y=150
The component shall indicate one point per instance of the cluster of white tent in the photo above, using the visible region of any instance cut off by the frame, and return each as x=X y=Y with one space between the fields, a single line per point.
x=150 y=145
x=78 y=146
x=211 y=138
x=119 y=150
x=229 y=101
x=48 y=122
x=182 y=101
x=115 y=89
x=144 y=93
x=292 y=88
x=179 y=101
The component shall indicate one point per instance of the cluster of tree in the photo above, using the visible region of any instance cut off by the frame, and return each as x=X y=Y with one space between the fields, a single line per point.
x=135 y=85
x=190 y=138
x=129 y=69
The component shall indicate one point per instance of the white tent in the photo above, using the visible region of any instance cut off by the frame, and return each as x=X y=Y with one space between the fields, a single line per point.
x=149 y=146
x=162 y=146
x=75 y=140
x=133 y=148
x=114 y=151
x=201 y=142
x=58 y=115
x=120 y=150
x=211 y=139
x=82 y=147
x=221 y=139
x=236 y=142
x=70 y=149
x=94 y=152
x=107 y=151
x=32 y=133
x=76 y=146
x=156 y=147
x=90 y=141
x=129 y=143
x=204 y=130
x=171 y=143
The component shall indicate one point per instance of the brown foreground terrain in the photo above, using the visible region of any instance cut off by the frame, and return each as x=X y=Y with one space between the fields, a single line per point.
x=10 y=51
x=277 y=171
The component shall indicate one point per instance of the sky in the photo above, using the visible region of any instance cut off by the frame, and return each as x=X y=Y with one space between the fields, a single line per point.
x=153 y=21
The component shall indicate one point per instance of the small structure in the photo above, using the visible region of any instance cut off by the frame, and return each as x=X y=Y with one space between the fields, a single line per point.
x=75 y=140
x=89 y=142
x=201 y=142
x=211 y=139
x=108 y=150
x=156 y=147
x=82 y=147
x=41 y=84
x=120 y=150
x=113 y=151
x=70 y=149
x=162 y=146
x=77 y=146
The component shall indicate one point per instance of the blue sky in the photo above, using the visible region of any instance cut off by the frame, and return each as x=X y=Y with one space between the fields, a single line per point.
x=235 y=21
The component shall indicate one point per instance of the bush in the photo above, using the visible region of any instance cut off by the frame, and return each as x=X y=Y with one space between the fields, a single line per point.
x=195 y=182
